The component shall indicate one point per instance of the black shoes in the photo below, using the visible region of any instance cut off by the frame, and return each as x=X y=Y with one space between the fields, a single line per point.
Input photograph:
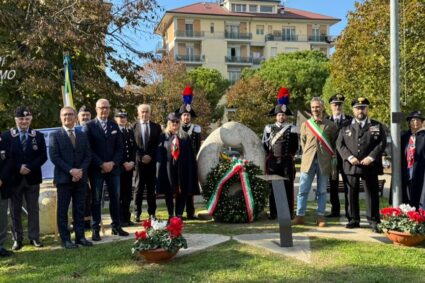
x=333 y=214
x=95 y=236
x=69 y=245
x=5 y=253
x=17 y=245
x=36 y=243
x=352 y=224
x=84 y=242
x=119 y=231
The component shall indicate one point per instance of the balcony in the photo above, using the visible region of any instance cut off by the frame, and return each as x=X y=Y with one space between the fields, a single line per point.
x=238 y=60
x=326 y=39
x=190 y=59
x=271 y=37
x=238 y=35
x=258 y=61
x=189 y=34
x=321 y=38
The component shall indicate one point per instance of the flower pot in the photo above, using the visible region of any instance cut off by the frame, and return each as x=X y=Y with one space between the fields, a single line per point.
x=157 y=255
x=404 y=238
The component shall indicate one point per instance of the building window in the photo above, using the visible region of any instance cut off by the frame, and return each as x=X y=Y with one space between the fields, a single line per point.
x=316 y=33
x=266 y=9
x=189 y=29
x=234 y=75
x=253 y=8
x=273 y=52
x=212 y=28
x=260 y=29
x=288 y=34
x=238 y=8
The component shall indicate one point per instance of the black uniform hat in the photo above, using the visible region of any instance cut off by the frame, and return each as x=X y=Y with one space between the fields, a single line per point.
x=361 y=101
x=22 y=111
x=173 y=117
x=282 y=102
x=415 y=114
x=83 y=109
x=120 y=113
x=187 y=101
x=337 y=98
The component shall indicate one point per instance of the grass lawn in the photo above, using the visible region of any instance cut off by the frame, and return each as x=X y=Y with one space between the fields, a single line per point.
x=332 y=261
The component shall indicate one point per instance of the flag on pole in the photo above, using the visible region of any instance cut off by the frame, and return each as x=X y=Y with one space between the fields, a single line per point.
x=68 y=89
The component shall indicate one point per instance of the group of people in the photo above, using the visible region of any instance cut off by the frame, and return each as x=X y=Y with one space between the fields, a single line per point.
x=341 y=145
x=90 y=154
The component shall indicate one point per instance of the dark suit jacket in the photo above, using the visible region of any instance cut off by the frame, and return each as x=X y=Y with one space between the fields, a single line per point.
x=360 y=143
x=154 y=132
x=34 y=156
x=105 y=147
x=65 y=157
x=6 y=169
x=345 y=121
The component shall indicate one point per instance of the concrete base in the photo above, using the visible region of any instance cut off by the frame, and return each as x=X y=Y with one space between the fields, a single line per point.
x=270 y=241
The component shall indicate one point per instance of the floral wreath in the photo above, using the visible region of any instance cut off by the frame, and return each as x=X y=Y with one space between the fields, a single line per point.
x=232 y=208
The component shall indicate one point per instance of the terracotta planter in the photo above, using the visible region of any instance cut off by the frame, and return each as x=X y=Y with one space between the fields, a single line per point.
x=404 y=239
x=156 y=256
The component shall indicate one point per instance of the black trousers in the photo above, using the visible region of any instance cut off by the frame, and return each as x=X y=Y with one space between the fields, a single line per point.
x=334 y=193
x=145 y=181
x=31 y=194
x=370 y=183
x=181 y=200
x=125 y=195
x=190 y=206
x=66 y=192
x=87 y=202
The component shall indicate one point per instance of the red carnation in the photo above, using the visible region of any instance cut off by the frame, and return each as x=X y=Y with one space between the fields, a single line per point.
x=175 y=227
x=141 y=235
x=147 y=224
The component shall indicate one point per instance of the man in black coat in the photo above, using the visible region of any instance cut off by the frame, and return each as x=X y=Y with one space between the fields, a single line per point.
x=341 y=120
x=127 y=167
x=146 y=135
x=28 y=149
x=361 y=145
x=413 y=161
x=107 y=149
x=69 y=151
x=6 y=171
x=280 y=140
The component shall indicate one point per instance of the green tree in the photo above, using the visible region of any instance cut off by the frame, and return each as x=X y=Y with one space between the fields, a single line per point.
x=360 y=65
x=34 y=36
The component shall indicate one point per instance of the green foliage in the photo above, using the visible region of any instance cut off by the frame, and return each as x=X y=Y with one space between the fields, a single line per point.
x=403 y=219
x=231 y=206
x=360 y=65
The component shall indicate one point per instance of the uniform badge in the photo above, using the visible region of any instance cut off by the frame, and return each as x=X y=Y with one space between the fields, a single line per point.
x=188 y=108
x=283 y=108
x=348 y=133
x=3 y=155
x=34 y=145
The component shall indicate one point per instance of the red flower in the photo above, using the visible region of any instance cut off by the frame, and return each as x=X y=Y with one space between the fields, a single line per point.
x=141 y=235
x=390 y=211
x=175 y=227
x=147 y=224
x=416 y=216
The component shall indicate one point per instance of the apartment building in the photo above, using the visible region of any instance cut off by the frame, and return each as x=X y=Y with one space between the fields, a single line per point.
x=230 y=35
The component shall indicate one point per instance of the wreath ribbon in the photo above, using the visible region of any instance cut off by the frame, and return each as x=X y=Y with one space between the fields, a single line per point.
x=237 y=167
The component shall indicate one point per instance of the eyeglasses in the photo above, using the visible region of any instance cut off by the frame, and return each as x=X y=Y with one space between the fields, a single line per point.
x=103 y=107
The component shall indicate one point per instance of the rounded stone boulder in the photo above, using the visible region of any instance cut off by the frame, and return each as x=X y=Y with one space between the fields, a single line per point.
x=234 y=135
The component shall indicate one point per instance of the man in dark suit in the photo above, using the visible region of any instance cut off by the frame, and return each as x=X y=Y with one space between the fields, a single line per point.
x=107 y=149
x=70 y=153
x=6 y=169
x=28 y=149
x=361 y=145
x=146 y=135
x=341 y=120
x=127 y=167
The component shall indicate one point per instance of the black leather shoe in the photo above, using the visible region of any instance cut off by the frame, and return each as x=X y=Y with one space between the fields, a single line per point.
x=375 y=228
x=119 y=231
x=84 y=242
x=69 y=245
x=352 y=224
x=36 y=243
x=5 y=253
x=17 y=245
x=95 y=236
x=333 y=214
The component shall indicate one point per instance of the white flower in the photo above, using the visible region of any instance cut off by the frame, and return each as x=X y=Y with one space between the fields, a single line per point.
x=406 y=208
x=159 y=225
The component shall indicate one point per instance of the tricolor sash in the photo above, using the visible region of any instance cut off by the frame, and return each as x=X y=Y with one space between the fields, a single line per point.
x=320 y=136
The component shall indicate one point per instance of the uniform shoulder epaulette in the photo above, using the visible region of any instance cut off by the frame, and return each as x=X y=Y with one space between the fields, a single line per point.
x=268 y=128
x=197 y=128
x=32 y=133
x=14 y=132
x=294 y=129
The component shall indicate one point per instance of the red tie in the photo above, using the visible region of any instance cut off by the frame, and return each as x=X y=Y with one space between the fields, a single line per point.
x=411 y=152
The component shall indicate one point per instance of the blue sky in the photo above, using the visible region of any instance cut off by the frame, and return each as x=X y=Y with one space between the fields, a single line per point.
x=334 y=8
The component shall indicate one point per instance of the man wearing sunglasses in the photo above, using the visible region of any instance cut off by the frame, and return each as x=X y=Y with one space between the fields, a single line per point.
x=341 y=120
x=28 y=149
x=361 y=145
